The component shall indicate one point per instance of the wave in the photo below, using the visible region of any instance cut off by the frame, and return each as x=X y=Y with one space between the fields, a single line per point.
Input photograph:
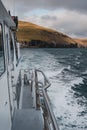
x=69 y=70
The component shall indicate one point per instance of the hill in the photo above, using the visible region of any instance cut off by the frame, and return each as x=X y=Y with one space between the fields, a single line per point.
x=82 y=42
x=32 y=35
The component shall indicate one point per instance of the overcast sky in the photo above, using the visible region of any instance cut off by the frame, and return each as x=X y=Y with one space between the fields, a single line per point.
x=67 y=16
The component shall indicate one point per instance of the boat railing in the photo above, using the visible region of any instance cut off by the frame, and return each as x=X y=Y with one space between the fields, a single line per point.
x=39 y=84
x=50 y=119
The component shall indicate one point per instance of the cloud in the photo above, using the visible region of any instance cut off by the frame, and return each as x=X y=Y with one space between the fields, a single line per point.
x=24 y=5
x=80 y=5
x=73 y=24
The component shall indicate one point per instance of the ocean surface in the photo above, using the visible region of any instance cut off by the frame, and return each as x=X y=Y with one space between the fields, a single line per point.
x=67 y=71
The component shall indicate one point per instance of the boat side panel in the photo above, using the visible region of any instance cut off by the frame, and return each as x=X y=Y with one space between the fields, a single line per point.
x=5 y=117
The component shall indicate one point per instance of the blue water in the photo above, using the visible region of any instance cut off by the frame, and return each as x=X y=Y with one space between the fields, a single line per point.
x=67 y=72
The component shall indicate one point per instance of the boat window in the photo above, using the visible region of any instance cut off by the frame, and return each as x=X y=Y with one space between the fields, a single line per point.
x=11 y=48
x=16 y=47
x=2 y=64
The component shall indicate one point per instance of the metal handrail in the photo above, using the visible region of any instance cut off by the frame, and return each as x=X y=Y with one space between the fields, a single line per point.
x=47 y=100
x=49 y=119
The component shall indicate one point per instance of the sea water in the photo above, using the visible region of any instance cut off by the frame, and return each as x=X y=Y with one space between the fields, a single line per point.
x=67 y=71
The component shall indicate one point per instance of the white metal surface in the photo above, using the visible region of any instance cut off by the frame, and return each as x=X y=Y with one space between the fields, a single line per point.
x=4 y=16
x=5 y=115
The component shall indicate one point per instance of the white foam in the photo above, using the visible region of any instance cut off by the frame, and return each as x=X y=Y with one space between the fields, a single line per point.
x=62 y=102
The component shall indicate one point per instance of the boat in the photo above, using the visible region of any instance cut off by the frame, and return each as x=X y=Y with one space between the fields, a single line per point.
x=24 y=101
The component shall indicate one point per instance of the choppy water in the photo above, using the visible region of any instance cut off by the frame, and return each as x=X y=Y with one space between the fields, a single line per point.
x=67 y=72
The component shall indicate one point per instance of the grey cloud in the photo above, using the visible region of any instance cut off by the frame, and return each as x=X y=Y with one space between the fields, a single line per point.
x=25 y=5
x=80 y=5
x=73 y=24
x=46 y=17
x=68 y=4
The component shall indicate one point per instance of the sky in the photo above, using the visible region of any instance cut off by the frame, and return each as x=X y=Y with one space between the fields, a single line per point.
x=66 y=16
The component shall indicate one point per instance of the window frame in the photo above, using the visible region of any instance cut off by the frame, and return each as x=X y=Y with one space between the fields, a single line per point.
x=11 y=43
x=2 y=43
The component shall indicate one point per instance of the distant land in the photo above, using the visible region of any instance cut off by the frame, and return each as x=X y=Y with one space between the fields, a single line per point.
x=82 y=42
x=32 y=35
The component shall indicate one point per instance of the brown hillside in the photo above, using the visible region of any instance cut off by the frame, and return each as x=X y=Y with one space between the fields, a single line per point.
x=82 y=42
x=28 y=32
